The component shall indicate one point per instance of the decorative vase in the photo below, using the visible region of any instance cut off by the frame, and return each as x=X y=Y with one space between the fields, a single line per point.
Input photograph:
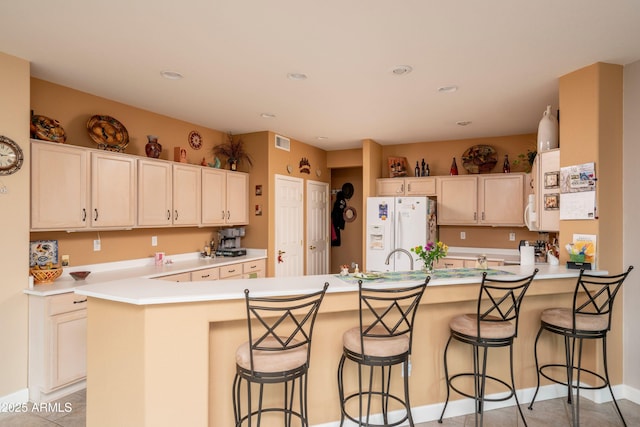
x=427 y=267
x=547 y=131
x=233 y=164
x=153 y=147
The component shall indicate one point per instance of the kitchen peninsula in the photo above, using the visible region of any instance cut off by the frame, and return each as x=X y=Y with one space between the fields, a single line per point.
x=163 y=353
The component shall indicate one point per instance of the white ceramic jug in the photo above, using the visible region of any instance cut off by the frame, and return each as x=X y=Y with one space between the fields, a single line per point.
x=547 y=131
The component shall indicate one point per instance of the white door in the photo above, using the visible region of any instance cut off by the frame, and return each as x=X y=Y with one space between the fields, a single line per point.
x=289 y=227
x=317 y=228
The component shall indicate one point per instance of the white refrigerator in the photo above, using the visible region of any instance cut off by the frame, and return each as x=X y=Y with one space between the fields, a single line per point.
x=397 y=223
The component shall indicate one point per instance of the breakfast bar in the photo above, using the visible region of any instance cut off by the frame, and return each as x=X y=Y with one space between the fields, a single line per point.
x=163 y=353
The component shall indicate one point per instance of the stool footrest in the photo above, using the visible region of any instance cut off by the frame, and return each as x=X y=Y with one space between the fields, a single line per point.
x=575 y=368
x=364 y=398
x=487 y=377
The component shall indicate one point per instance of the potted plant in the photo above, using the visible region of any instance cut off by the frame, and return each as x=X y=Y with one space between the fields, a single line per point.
x=234 y=151
x=525 y=160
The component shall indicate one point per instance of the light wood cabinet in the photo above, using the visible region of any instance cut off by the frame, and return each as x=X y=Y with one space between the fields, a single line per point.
x=452 y=262
x=495 y=200
x=57 y=345
x=254 y=269
x=155 y=193
x=55 y=167
x=225 y=197
x=187 y=183
x=206 y=274
x=417 y=186
x=113 y=190
x=178 y=277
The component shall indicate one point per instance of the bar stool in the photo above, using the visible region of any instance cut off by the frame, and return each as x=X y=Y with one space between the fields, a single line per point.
x=493 y=325
x=382 y=339
x=588 y=318
x=278 y=351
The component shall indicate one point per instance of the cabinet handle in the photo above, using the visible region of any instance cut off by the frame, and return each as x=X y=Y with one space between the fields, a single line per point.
x=222 y=216
x=447 y=265
x=168 y=214
x=96 y=214
x=80 y=301
x=475 y=216
x=204 y=276
x=228 y=214
x=176 y=215
x=483 y=216
x=84 y=214
x=312 y=247
x=409 y=187
x=401 y=188
x=231 y=271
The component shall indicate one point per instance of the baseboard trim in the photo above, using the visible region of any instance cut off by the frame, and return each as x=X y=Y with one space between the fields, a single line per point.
x=20 y=396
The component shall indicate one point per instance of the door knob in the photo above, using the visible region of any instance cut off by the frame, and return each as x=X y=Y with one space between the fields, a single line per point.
x=312 y=247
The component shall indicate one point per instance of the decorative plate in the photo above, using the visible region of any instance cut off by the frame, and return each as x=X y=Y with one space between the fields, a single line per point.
x=43 y=253
x=47 y=129
x=108 y=133
x=195 y=140
x=479 y=159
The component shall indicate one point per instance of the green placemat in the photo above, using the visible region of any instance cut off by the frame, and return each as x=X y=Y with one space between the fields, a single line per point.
x=417 y=276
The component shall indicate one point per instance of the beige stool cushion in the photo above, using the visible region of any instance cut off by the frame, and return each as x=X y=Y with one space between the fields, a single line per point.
x=563 y=317
x=271 y=361
x=378 y=347
x=467 y=324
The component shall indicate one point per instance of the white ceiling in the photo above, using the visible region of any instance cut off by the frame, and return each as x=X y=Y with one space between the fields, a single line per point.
x=504 y=55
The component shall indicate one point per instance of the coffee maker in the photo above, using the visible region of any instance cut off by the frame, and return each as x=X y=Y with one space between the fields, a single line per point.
x=229 y=242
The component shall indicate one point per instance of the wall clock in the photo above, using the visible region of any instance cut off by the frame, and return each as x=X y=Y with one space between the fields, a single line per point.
x=11 y=156
x=195 y=140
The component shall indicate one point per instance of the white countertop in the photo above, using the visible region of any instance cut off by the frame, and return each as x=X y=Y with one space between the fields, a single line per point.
x=146 y=291
x=138 y=269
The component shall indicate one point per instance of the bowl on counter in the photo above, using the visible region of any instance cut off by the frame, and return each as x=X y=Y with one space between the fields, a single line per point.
x=79 y=275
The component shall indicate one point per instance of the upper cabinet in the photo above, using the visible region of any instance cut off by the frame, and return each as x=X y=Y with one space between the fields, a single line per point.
x=417 y=186
x=495 y=200
x=55 y=167
x=73 y=188
x=225 y=197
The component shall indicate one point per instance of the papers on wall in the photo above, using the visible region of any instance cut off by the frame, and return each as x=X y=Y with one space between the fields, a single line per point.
x=578 y=191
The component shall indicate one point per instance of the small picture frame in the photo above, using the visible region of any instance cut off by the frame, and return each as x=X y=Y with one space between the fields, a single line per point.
x=397 y=166
x=551 y=201
x=552 y=179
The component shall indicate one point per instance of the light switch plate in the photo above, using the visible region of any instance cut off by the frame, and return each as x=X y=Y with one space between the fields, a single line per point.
x=512 y=237
x=154 y=240
x=96 y=245
x=463 y=235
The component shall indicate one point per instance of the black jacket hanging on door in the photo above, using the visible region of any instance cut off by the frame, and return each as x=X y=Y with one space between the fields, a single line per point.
x=337 y=217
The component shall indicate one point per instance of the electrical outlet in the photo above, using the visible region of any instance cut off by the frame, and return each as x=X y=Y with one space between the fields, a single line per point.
x=96 y=245
x=65 y=260
x=463 y=235
x=512 y=237
x=154 y=240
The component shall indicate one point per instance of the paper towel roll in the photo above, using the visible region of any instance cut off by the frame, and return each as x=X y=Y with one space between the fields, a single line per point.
x=527 y=255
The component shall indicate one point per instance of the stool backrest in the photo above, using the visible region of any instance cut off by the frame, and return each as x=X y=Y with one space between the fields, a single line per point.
x=282 y=323
x=594 y=295
x=500 y=299
x=393 y=311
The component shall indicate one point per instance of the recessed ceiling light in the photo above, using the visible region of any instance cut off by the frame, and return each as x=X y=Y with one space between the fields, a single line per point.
x=401 y=69
x=267 y=115
x=171 y=75
x=297 y=76
x=447 y=89
x=463 y=122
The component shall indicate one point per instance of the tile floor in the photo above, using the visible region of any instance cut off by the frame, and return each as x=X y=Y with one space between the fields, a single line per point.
x=70 y=412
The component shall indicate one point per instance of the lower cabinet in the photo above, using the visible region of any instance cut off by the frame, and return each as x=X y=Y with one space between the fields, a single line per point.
x=241 y=270
x=254 y=269
x=206 y=274
x=449 y=262
x=57 y=345
x=178 y=277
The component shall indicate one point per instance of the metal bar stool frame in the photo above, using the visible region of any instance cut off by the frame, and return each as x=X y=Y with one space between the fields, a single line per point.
x=598 y=295
x=390 y=320
x=276 y=325
x=499 y=303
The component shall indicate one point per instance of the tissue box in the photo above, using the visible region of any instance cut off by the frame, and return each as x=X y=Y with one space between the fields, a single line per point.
x=579 y=265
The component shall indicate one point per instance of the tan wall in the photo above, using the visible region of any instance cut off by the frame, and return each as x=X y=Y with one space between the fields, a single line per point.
x=257 y=233
x=350 y=249
x=14 y=228
x=344 y=158
x=485 y=237
x=439 y=154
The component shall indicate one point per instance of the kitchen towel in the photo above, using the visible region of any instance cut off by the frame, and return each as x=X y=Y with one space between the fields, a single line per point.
x=527 y=255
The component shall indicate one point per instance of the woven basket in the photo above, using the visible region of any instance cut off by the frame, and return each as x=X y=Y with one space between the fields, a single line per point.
x=41 y=277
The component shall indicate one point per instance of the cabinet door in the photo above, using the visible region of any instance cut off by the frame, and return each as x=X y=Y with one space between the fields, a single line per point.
x=155 y=185
x=233 y=271
x=237 y=198
x=390 y=187
x=178 y=277
x=420 y=186
x=253 y=269
x=187 y=183
x=214 y=194
x=206 y=274
x=501 y=199
x=457 y=200
x=69 y=352
x=59 y=186
x=549 y=165
x=113 y=190
x=447 y=262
